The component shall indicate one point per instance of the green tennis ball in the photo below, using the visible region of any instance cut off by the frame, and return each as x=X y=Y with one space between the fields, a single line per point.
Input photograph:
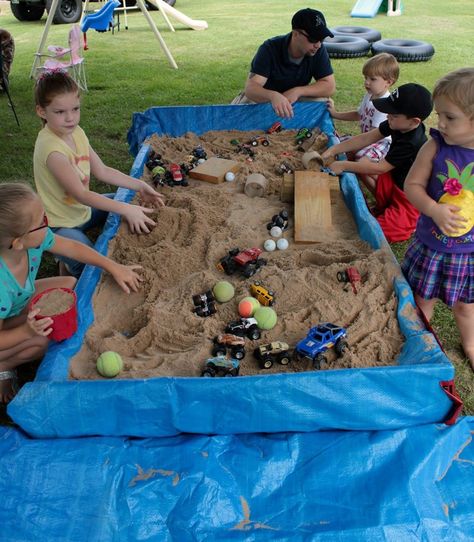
x=223 y=291
x=266 y=317
x=109 y=364
x=248 y=306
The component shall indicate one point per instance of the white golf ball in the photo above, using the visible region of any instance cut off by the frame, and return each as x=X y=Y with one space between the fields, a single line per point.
x=269 y=245
x=201 y=160
x=276 y=231
x=282 y=244
x=229 y=176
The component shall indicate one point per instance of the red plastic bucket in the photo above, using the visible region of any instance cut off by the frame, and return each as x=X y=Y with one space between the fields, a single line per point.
x=65 y=323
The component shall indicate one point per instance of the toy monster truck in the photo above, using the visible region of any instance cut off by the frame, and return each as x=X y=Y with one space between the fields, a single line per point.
x=351 y=275
x=244 y=327
x=303 y=133
x=319 y=339
x=274 y=128
x=262 y=295
x=246 y=261
x=262 y=140
x=221 y=366
x=234 y=343
x=280 y=220
x=267 y=354
x=204 y=304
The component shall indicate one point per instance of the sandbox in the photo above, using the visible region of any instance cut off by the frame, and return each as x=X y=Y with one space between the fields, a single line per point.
x=385 y=384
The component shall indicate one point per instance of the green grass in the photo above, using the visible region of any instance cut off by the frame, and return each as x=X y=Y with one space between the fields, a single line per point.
x=129 y=72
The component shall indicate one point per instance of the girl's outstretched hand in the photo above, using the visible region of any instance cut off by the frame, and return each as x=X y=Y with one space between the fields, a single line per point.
x=39 y=327
x=148 y=195
x=137 y=219
x=126 y=277
x=447 y=218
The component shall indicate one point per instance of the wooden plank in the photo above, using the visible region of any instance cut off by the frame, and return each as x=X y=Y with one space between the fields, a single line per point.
x=287 y=189
x=214 y=169
x=312 y=206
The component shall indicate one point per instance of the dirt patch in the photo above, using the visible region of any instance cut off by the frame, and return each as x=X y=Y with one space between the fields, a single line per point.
x=156 y=331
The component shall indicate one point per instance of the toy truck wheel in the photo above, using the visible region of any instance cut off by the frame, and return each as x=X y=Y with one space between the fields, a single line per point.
x=318 y=360
x=208 y=372
x=266 y=362
x=340 y=347
x=238 y=353
x=234 y=372
x=219 y=350
x=265 y=143
x=253 y=334
x=284 y=358
x=342 y=276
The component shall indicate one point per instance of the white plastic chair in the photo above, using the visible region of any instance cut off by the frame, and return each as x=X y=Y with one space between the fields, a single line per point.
x=69 y=59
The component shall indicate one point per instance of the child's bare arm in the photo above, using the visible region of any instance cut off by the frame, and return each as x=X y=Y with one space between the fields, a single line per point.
x=339 y=115
x=115 y=177
x=125 y=275
x=353 y=144
x=69 y=179
x=362 y=167
x=444 y=215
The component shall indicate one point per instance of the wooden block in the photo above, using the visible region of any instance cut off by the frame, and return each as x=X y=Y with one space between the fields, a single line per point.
x=312 y=206
x=287 y=189
x=214 y=169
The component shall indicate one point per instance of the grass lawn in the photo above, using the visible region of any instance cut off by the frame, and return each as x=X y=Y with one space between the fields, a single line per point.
x=129 y=72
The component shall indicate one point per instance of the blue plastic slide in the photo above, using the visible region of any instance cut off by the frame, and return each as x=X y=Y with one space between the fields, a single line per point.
x=366 y=8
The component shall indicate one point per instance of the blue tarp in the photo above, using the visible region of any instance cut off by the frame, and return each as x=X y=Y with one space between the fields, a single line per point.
x=414 y=484
x=392 y=397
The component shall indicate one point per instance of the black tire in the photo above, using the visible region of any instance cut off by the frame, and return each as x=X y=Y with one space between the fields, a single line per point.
x=27 y=12
x=219 y=350
x=238 y=353
x=318 y=360
x=405 y=50
x=342 y=276
x=284 y=358
x=266 y=362
x=234 y=372
x=346 y=47
x=208 y=372
x=265 y=143
x=253 y=334
x=67 y=12
x=340 y=347
x=363 y=32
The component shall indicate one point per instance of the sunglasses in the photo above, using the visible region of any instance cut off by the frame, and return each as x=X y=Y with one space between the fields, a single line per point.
x=44 y=224
x=308 y=38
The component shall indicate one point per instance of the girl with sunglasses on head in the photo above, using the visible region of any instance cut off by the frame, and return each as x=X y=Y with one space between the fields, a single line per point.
x=24 y=236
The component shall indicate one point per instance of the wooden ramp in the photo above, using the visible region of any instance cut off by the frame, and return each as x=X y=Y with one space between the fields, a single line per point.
x=312 y=205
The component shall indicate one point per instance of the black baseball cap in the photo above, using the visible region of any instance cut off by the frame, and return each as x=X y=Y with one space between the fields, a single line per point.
x=412 y=100
x=313 y=23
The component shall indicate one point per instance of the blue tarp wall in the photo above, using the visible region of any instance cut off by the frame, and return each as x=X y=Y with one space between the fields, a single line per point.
x=393 y=397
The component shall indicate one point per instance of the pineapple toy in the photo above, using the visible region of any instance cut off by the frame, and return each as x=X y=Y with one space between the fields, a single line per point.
x=459 y=191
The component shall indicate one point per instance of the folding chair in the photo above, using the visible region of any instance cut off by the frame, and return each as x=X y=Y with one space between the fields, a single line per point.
x=74 y=64
x=5 y=85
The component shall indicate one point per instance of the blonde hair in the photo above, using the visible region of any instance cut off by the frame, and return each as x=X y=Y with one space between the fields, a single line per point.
x=458 y=86
x=14 y=217
x=383 y=65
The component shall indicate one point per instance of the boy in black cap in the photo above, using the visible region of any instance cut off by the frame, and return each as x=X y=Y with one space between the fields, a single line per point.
x=406 y=108
x=282 y=70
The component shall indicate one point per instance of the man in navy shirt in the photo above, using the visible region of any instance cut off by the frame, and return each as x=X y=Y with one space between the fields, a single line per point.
x=284 y=66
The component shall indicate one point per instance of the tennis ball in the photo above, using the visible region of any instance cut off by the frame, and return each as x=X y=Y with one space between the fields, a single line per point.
x=282 y=244
x=276 y=231
x=269 y=245
x=223 y=291
x=266 y=317
x=248 y=306
x=109 y=364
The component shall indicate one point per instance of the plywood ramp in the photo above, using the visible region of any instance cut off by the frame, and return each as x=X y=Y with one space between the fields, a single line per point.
x=312 y=205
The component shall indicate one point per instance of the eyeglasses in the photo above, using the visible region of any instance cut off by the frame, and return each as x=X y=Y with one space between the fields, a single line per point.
x=308 y=38
x=44 y=224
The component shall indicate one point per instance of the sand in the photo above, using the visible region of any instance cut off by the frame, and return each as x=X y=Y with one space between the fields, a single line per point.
x=156 y=332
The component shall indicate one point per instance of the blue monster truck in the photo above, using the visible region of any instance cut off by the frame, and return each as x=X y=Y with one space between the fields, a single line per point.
x=221 y=366
x=319 y=339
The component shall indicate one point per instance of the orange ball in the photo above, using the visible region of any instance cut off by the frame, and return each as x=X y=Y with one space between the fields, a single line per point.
x=248 y=306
